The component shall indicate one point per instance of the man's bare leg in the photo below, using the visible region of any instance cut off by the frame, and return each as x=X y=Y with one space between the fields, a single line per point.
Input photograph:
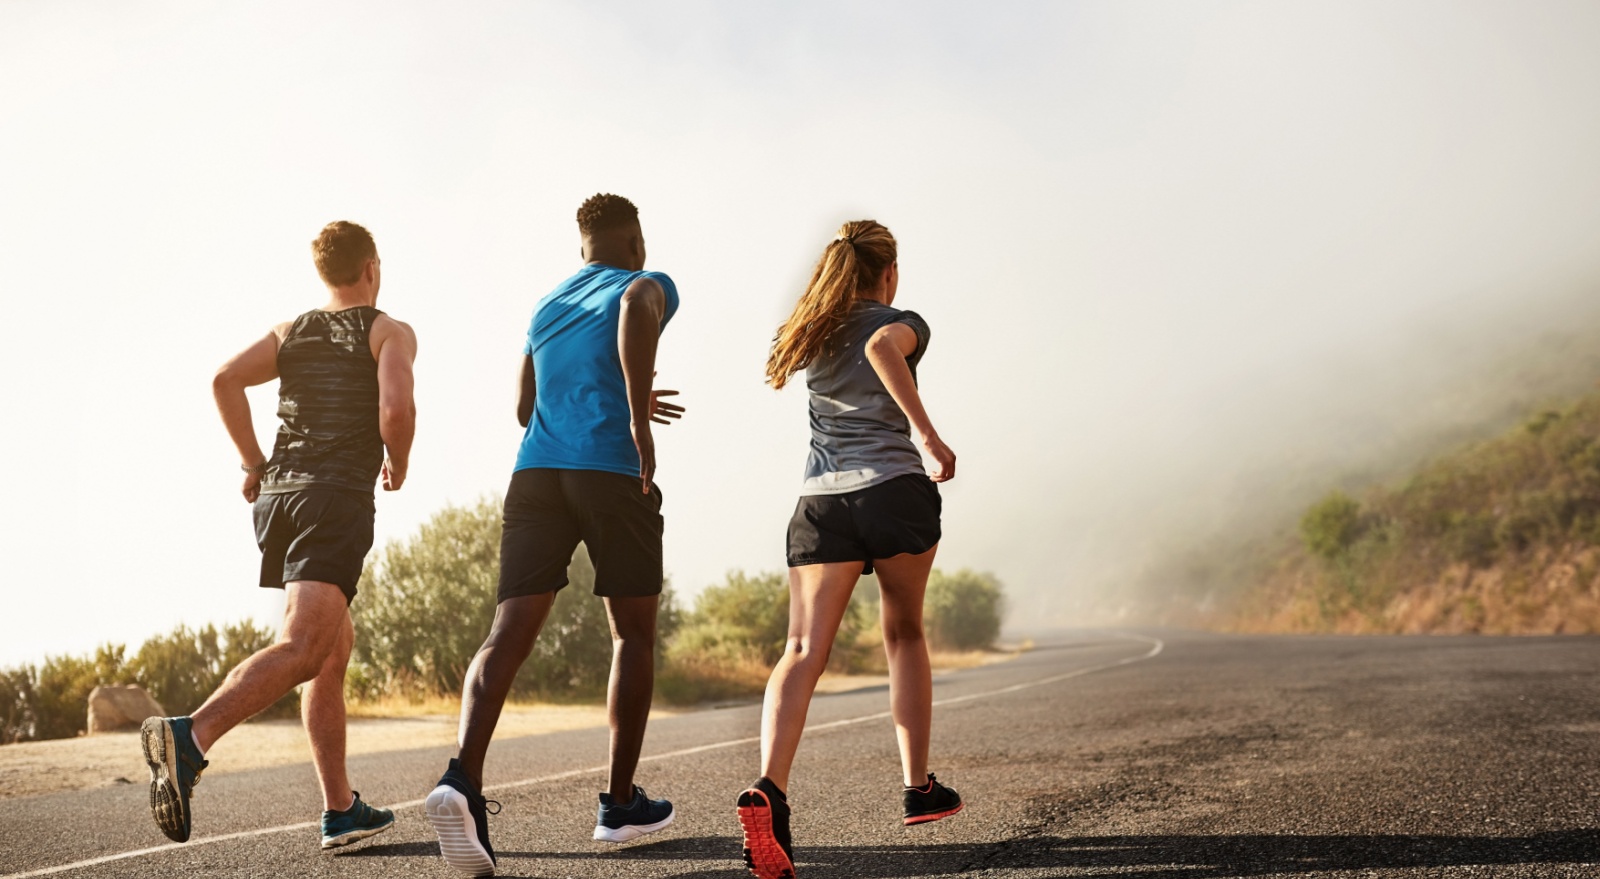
x=322 y=709
x=517 y=622
x=312 y=624
x=633 y=679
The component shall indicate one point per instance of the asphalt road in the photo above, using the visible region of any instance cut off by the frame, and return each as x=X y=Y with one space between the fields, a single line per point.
x=1088 y=756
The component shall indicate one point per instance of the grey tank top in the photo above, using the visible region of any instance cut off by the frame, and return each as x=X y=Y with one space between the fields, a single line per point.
x=328 y=400
x=859 y=436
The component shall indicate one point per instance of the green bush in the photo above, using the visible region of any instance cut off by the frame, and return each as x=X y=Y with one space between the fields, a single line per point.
x=423 y=610
x=183 y=668
x=746 y=619
x=1471 y=538
x=962 y=611
x=61 y=690
x=17 y=719
x=1332 y=525
x=179 y=670
x=743 y=615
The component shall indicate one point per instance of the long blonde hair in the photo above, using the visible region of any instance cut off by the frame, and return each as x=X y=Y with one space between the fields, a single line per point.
x=851 y=264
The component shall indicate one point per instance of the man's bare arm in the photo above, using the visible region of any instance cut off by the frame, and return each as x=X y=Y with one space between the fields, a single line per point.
x=396 y=345
x=255 y=365
x=638 y=331
x=526 y=389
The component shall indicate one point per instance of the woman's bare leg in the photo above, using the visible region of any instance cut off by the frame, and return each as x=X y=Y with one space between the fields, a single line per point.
x=818 y=598
x=902 y=583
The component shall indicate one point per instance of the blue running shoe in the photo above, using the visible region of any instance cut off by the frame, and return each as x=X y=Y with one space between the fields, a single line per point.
x=355 y=823
x=460 y=818
x=616 y=823
x=175 y=765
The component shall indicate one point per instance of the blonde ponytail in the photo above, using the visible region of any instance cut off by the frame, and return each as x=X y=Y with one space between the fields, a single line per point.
x=850 y=264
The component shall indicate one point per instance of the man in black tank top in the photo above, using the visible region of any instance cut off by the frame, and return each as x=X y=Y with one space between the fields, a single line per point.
x=344 y=396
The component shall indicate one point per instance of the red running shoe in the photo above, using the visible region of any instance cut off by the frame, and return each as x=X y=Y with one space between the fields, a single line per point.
x=764 y=815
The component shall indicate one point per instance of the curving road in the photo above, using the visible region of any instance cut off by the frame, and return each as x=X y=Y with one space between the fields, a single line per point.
x=1153 y=754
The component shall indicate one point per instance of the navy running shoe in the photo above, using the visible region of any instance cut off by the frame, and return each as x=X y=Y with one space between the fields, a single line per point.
x=355 y=823
x=460 y=817
x=175 y=764
x=931 y=802
x=764 y=815
x=614 y=823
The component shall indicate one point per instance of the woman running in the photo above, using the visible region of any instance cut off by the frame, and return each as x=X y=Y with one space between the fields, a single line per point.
x=866 y=504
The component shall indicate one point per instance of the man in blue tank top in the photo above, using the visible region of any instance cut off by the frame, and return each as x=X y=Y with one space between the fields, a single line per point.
x=344 y=394
x=585 y=472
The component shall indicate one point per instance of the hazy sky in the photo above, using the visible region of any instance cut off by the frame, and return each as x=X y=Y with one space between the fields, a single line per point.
x=1137 y=230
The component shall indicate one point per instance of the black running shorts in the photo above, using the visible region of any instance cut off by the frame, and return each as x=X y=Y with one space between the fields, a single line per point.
x=320 y=534
x=549 y=511
x=877 y=522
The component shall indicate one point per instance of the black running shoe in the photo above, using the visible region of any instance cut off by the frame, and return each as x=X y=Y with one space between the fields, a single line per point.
x=175 y=764
x=460 y=818
x=614 y=823
x=930 y=803
x=764 y=815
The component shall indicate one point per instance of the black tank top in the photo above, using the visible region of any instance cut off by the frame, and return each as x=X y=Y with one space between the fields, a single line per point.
x=328 y=400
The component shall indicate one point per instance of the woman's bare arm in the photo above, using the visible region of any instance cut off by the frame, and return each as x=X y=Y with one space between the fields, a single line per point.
x=887 y=351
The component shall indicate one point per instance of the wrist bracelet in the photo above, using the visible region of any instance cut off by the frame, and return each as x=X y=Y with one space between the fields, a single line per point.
x=258 y=469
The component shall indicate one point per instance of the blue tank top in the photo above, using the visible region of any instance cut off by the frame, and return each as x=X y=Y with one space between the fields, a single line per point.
x=580 y=411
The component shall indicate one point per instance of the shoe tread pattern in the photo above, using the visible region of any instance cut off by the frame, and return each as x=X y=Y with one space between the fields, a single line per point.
x=762 y=853
x=452 y=822
x=168 y=805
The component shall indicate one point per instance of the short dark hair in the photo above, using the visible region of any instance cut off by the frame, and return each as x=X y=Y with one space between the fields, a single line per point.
x=605 y=211
x=341 y=252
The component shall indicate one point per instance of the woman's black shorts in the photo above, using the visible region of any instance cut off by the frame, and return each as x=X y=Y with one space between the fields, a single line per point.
x=877 y=522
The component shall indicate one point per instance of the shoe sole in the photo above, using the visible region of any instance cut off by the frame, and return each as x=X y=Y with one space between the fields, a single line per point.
x=345 y=839
x=167 y=804
x=630 y=832
x=762 y=854
x=924 y=819
x=458 y=834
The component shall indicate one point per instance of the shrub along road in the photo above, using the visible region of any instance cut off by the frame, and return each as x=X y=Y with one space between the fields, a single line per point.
x=1091 y=755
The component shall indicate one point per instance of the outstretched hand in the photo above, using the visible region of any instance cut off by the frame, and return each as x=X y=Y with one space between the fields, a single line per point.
x=661 y=411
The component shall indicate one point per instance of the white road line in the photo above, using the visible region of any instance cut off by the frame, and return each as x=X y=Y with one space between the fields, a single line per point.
x=1156 y=647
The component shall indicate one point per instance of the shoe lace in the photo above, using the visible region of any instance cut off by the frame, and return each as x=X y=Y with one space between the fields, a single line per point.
x=488 y=802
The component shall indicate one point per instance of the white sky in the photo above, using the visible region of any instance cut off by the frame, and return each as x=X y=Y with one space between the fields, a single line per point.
x=1126 y=222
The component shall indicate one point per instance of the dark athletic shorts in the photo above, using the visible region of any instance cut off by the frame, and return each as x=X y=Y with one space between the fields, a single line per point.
x=876 y=522
x=549 y=511
x=318 y=534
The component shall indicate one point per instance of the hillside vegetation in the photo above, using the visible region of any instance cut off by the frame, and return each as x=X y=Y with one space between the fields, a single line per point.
x=1498 y=537
x=1463 y=378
